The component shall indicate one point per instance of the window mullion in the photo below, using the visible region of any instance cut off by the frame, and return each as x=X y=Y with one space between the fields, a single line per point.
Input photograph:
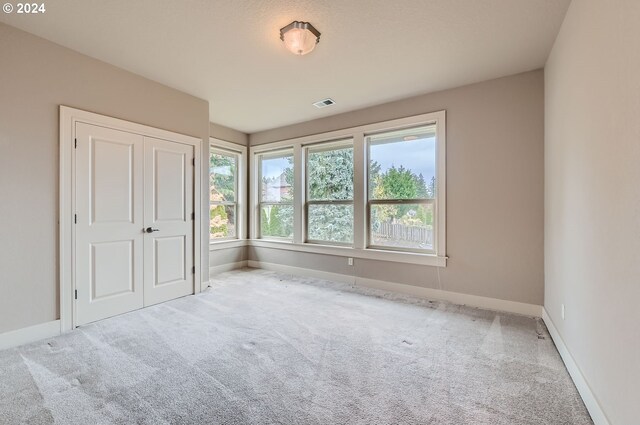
x=298 y=194
x=327 y=202
x=401 y=201
x=359 y=192
x=260 y=204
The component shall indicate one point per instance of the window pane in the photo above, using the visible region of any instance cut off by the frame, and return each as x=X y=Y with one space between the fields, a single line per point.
x=402 y=226
x=222 y=177
x=222 y=221
x=331 y=223
x=277 y=178
x=402 y=164
x=330 y=174
x=276 y=220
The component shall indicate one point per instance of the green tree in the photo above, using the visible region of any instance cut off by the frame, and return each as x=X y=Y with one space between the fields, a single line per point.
x=330 y=174
x=277 y=220
x=395 y=183
x=219 y=221
x=399 y=183
x=424 y=214
x=373 y=177
x=330 y=178
x=222 y=172
x=222 y=184
x=431 y=189
x=423 y=190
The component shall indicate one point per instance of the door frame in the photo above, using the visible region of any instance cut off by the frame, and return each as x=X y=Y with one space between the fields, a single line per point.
x=68 y=119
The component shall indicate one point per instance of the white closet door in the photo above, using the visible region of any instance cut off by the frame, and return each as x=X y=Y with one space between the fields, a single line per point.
x=168 y=253
x=109 y=228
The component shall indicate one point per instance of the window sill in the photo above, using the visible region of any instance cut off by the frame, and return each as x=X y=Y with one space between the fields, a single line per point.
x=369 y=254
x=226 y=244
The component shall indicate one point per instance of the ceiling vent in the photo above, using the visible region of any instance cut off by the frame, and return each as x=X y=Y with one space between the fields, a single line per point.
x=324 y=103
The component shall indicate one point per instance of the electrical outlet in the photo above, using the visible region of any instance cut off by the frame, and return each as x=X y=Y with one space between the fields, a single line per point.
x=562 y=311
x=350 y=261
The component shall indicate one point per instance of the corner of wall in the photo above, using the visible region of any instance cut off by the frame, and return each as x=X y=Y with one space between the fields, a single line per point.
x=228 y=134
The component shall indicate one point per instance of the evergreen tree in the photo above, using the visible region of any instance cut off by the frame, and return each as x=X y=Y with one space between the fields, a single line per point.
x=330 y=177
x=431 y=190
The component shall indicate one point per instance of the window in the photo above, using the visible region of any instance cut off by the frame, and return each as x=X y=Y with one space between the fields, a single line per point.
x=223 y=193
x=401 y=183
x=329 y=207
x=227 y=193
x=276 y=194
x=376 y=191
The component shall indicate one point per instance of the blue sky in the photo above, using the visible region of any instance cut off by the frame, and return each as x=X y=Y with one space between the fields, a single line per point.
x=224 y=170
x=273 y=167
x=418 y=155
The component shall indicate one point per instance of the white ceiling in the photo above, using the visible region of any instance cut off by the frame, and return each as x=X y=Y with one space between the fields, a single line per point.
x=370 y=52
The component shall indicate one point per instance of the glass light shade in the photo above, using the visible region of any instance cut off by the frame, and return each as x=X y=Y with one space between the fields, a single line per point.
x=300 y=38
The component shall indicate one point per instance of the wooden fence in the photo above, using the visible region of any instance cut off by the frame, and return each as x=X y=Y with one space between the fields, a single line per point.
x=397 y=231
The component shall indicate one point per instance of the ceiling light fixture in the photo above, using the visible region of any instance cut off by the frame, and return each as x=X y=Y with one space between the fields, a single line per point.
x=300 y=37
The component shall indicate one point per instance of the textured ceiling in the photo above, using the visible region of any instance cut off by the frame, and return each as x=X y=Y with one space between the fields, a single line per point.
x=370 y=52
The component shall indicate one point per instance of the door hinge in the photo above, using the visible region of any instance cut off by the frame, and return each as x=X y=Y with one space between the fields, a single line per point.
x=193 y=216
x=75 y=143
x=193 y=162
x=76 y=294
x=75 y=218
x=193 y=270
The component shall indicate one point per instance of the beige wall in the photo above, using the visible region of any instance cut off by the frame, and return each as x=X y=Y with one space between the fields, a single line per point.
x=592 y=198
x=495 y=132
x=35 y=77
x=231 y=255
x=221 y=257
x=228 y=134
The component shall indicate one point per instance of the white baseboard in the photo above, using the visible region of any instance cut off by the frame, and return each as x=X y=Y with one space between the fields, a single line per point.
x=454 y=297
x=300 y=271
x=215 y=270
x=204 y=285
x=31 y=334
x=416 y=291
x=590 y=400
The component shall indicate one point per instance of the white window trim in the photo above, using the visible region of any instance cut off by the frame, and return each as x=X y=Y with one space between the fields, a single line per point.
x=326 y=146
x=255 y=193
x=373 y=201
x=359 y=249
x=241 y=184
x=236 y=156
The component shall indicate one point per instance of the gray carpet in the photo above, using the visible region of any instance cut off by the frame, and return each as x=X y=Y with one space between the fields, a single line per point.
x=267 y=348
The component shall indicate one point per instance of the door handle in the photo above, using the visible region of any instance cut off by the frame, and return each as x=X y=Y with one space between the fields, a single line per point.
x=151 y=230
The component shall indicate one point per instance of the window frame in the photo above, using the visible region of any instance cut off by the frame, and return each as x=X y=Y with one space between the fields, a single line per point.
x=359 y=248
x=323 y=147
x=240 y=153
x=278 y=153
x=409 y=201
